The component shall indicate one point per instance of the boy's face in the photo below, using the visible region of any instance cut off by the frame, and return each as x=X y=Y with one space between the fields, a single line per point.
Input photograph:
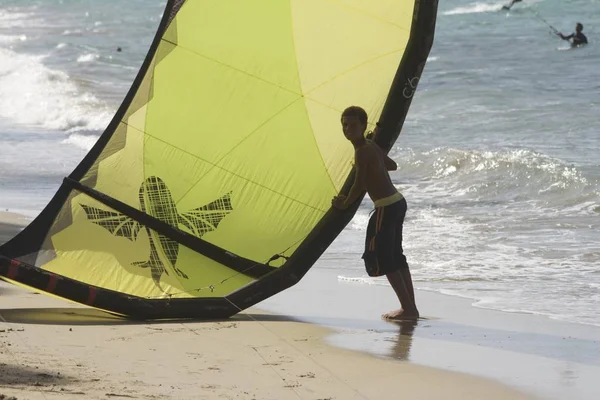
x=353 y=128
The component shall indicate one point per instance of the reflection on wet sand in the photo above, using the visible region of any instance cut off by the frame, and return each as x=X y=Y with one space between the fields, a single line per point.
x=403 y=342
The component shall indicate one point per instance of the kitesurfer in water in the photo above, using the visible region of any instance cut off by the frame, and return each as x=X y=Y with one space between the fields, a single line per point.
x=511 y=4
x=383 y=253
x=577 y=38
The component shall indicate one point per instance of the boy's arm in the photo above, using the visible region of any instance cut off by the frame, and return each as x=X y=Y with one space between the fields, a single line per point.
x=360 y=181
x=360 y=177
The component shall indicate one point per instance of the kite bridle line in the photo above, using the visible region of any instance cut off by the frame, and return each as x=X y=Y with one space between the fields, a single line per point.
x=213 y=286
x=554 y=30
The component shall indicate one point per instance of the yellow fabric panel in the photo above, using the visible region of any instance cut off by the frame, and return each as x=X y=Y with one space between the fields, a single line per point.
x=90 y=253
x=178 y=168
x=209 y=113
x=336 y=151
x=285 y=221
x=293 y=168
x=254 y=37
x=121 y=174
x=393 y=12
x=332 y=39
x=295 y=174
x=142 y=94
x=138 y=119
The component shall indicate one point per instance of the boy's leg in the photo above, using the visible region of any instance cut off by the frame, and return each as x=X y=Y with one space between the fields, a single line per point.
x=409 y=285
x=401 y=279
x=408 y=310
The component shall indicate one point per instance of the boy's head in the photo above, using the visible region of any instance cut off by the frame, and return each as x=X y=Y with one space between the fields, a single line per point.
x=354 y=122
x=578 y=27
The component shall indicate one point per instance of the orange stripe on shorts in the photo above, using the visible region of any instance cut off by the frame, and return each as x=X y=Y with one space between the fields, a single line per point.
x=379 y=219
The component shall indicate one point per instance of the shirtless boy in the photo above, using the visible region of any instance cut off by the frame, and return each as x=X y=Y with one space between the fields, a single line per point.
x=383 y=245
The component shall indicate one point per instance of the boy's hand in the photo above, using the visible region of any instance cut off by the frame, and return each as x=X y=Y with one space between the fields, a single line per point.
x=339 y=202
x=371 y=134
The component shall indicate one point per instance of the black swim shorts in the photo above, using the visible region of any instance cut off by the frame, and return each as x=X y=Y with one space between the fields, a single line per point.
x=383 y=245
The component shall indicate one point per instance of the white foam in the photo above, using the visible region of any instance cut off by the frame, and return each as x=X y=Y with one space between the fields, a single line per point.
x=88 y=57
x=11 y=19
x=360 y=221
x=474 y=8
x=85 y=142
x=68 y=32
x=8 y=39
x=33 y=94
x=364 y=280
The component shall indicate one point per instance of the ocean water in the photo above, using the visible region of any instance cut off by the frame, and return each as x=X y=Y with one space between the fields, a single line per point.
x=498 y=158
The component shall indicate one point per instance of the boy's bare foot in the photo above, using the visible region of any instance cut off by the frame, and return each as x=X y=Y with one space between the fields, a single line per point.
x=401 y=314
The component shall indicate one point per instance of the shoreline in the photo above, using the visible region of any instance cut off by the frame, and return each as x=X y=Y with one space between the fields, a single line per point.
x=12 y=218
x=11 y=224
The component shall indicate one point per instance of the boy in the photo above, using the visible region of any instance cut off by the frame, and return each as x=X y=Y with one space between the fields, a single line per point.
x=383 y=245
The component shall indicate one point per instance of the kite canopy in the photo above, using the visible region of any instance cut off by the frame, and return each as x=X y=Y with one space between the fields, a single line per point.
x=211 y=188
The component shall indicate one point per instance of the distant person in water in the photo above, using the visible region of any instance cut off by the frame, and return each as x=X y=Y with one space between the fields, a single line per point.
x=511 y=4
x=577 y=38
x=383 y=253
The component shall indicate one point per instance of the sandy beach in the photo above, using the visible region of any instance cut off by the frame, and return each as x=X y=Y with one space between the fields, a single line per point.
x=51 y=348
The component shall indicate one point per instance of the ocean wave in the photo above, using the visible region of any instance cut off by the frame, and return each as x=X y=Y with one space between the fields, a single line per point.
x=69 y=32
x=33 y=94
x=363 y=280
x=17 y=19
x=88 y=57
x=509 y=175
x=360 y=221
x=8 y=39
x=85 y=142
x=474 y=8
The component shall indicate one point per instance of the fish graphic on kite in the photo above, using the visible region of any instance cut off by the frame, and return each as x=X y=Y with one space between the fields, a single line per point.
x=156 y=201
